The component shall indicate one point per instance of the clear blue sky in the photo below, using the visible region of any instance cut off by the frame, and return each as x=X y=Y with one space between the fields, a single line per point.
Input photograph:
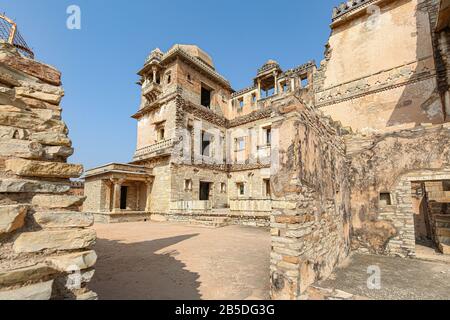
x=100 y=61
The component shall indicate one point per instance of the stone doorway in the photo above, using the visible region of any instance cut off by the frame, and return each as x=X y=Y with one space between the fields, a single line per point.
x=422 y=215
x=205 y=188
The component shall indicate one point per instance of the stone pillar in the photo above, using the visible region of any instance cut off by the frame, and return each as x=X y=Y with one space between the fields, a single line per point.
x=275 y=90
x=117 y=185
x=259 y=89
x=154 y=74
x=108 y=196
x=149 y=185
x=292 y=84
x=138 y=189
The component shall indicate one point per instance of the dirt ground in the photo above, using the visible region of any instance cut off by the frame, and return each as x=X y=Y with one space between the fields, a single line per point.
x=148 y=260
x=401 y=279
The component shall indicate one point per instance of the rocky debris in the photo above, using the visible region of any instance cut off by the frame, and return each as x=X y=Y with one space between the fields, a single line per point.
x=37 y=291
x=52 y=201
x=48 y=220
x=71 y=239
x=12 y=217
x=34 y=186
x=31 y=168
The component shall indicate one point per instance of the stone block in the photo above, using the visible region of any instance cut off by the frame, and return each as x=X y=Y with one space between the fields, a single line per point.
x=54 y=240
x=52 y=139
x=90 y=295
x=20 y=149
x=37 y=291
x=31 y=273
x=30 y=186
x=73 y=262
x=55 y=152
x=57 y=201
x=30 y=168
x=12 y=217
x=444 y=248
x=64 y=219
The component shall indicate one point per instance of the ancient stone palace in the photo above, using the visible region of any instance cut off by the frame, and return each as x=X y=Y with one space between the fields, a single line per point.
x=350 y=154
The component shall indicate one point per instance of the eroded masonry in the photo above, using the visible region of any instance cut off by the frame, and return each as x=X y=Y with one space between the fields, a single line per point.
x=348 y=155
x=44 y=241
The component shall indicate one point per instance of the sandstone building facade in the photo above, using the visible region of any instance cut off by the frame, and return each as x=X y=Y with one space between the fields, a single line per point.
x=45 y=242
x=351 y=154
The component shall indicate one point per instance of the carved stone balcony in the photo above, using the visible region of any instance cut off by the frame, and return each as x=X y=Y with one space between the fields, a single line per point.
x=157 y=149
x=151 y=91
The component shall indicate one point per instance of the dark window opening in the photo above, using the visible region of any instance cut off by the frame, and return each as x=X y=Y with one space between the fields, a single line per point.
x=206 y=98
x=204 y=191
x=385 y=199
x=169 y=79
x=267 y=187
x=241 y=188
x=189 y=78
x=446 y=185
x=123 y=197
x=206 y=144
x=268 y=136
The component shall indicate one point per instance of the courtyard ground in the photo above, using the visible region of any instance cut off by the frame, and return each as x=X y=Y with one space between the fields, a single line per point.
x=401 y=279
x=148 y=260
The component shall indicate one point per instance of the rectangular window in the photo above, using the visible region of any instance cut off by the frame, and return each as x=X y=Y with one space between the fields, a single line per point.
x=206 y=144
x=161 y=134
x=446 y=185
x=268 y=136
x=240 y=144
x=223 y=187
x=266 y=184
x=206 y=97
x=304 y=82
x=240 y=188
x=385 y=199
x=188 y=185
x=253 y=98
x=241 y=104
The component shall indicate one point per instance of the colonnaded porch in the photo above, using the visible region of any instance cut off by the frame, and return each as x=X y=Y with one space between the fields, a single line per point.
x=123 y=191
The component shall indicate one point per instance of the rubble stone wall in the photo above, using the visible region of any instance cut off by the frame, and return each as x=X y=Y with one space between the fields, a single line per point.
x=45 y=243
x=311 y=202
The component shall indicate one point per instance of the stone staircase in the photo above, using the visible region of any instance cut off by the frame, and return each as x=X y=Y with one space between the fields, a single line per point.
x=442 y=223
x=217 y=219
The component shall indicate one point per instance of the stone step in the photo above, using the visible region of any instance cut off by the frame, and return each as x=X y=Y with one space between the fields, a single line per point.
x=210 y=221
x=444 y=240
x=443 y=232
x=444 y=248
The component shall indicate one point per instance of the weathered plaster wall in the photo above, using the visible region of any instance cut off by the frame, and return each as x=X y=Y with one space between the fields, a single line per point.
x=380 y=70
x=389 y=163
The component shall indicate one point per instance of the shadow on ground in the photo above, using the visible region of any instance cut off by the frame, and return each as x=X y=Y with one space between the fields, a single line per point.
x=128 y=271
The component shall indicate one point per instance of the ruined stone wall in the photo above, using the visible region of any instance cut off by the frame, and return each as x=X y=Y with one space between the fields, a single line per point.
x=42 y=237
x=311 y=201
x=389 y=163
x=380 y=70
